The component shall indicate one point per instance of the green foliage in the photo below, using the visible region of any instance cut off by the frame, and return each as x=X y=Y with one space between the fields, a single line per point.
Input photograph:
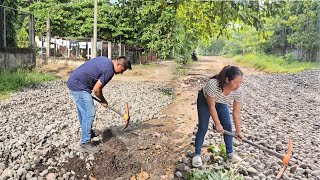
x=218 y=150
x=11 y=19
x=303 y=20
x=274 y=64
x=157 y=23
x=216 y=47
x=211 y=19
x=290 y=57
x=23 y=38
x=11 y=81
x=166 y=91
x=297 y=28
x=160 y=26
x=218 y=172
x=180 y=67
x=196 y=174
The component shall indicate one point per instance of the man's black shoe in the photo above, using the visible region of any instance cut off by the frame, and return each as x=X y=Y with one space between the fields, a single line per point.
x=89 y=148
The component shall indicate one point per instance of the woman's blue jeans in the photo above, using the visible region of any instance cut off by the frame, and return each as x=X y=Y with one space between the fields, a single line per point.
x=204 y=116
x=86 y=113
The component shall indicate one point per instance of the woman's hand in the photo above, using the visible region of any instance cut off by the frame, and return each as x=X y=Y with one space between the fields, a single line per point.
x=240 y=136
x=219 y=128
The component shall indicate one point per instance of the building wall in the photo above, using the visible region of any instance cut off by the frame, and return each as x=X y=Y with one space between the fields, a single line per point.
x=15 y=58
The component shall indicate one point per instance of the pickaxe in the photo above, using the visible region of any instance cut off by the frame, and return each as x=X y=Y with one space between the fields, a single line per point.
x=126 y=115
x=285 y=158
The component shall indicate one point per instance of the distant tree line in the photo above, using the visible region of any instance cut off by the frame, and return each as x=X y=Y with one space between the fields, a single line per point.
x=168 y=27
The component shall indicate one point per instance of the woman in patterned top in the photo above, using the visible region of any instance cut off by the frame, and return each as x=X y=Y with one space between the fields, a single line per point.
x=213 y=101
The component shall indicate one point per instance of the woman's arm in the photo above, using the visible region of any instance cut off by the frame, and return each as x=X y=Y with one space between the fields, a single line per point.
x=213 y=112
x=237 y=118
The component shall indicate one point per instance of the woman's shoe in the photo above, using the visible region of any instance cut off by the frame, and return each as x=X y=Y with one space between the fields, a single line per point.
x=196 y=161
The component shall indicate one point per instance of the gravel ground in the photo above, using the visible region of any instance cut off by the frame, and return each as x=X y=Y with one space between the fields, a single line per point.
x=41 y=119
x=276 y=108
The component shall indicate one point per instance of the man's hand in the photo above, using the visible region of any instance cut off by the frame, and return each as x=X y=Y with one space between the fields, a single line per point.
x=104 y=104
x=219 y=128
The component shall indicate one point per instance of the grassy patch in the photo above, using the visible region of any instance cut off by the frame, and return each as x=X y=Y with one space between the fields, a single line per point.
x=274 y=64
x=12 y=81
x=146 y=65
x=197 y=174
x=181 y=69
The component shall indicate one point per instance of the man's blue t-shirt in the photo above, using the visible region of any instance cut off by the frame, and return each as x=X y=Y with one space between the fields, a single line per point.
x=85 y=76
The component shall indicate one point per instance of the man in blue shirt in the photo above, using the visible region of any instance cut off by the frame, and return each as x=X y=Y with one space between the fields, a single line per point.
x=93 y=75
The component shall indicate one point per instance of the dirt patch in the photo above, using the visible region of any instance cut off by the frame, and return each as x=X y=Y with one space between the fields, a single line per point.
x=78 y=166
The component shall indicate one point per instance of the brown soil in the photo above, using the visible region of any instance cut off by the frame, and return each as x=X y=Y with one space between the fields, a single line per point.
x=152 y=150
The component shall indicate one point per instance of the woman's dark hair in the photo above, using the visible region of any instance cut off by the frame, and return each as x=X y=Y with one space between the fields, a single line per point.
x=229 y=72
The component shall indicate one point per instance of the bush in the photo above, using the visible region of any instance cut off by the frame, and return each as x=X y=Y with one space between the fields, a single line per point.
x=290 y=57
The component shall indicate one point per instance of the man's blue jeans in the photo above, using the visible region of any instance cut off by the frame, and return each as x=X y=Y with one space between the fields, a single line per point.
x=204 y=116
x=86 y=113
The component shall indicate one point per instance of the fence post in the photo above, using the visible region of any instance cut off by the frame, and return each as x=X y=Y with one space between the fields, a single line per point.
x=4 y=28
x=48 y=37
x=31 y=30
x=124 y=49
x=109 y=50
x=119 y=49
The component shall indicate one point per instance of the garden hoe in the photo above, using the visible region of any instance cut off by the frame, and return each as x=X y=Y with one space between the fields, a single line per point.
x=285 y=158
x=126 y=115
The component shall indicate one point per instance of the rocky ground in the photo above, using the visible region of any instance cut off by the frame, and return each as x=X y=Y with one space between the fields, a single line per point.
x=39 y=131
x=275 y=109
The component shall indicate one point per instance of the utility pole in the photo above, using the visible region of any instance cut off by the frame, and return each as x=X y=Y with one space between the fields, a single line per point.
x=94 y=44
x=48 y=37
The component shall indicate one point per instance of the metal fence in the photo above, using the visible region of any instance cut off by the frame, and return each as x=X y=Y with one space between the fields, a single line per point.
x=17 y=28
x=81 y=48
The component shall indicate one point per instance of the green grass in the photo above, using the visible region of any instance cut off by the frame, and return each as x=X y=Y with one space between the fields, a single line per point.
x=181 y=69
x=197 y=174
x=274 y=64
x=12 y=81
x=146 y=65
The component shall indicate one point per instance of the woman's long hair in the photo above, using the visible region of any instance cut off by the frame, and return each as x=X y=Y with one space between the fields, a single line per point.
x=229 y=72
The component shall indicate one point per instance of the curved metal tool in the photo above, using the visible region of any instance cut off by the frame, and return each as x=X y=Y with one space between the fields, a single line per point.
x=285 y=158
x=126 y=115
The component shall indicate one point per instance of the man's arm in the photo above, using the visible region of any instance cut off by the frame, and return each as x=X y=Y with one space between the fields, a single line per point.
x=97 y=90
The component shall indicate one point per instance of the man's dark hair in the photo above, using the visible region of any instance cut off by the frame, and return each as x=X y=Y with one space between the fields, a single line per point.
x=126 y=62
x=229 y=72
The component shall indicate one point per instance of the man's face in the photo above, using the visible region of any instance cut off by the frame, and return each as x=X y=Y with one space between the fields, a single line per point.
x=119 y=68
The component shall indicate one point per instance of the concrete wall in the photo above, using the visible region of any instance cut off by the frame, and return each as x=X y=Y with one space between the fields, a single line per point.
x=14 y=58
x=63 y=61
